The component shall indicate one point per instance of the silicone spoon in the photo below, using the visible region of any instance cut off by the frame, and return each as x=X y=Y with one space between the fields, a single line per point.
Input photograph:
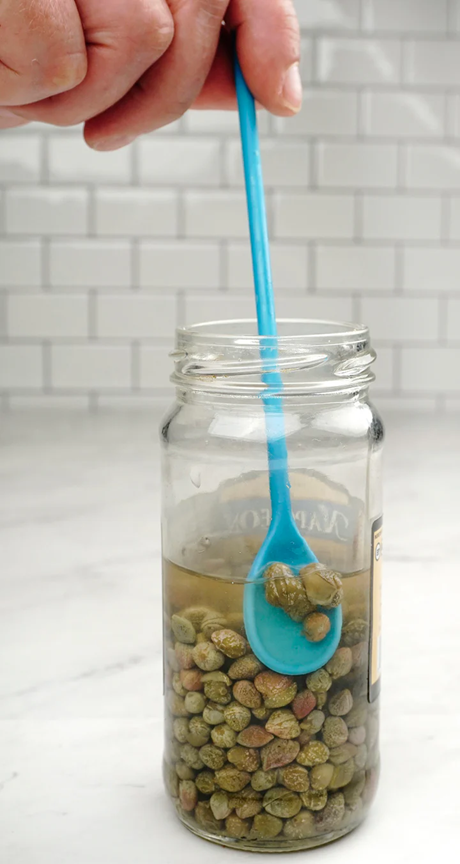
x=276 y=640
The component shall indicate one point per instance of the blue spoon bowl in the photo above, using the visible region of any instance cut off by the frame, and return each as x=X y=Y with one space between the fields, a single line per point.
x=275 y=639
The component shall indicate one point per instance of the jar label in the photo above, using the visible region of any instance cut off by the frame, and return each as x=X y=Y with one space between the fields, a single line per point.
x=375 y=637
x=313 y=518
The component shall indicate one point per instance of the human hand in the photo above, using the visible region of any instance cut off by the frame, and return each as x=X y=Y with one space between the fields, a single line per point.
x=129 y=68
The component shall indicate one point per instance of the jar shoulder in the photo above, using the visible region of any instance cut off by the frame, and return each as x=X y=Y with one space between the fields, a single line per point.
x=357 y=421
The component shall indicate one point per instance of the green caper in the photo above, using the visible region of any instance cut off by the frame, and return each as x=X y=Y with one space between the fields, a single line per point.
x=334 y=731
x=342 y=775
x=266 y=827
x=212 y=756
x=316 y=626
x=313 y=723
x=223 y=736
x=180 y=729
x=183 y=630
x=191 y=756
x=205 y=782
x=314 y=799
x=198 y=732
x=218 y=692
x=286 y=591
x=231 y=644
x=246 y=803
x=263 y=780
x=340 y=663
x=294 y=777
x=323 y=586
x=283 y=724
x=194 y=702
x=340 y=703
x=300 y=827
x=321 y=776
x=213 y=714
x=319 y=681
x=282 y=802
x=207 y=657
x=245 y=668
x=355 y=631
x=231 y=779
x=237 y=716
x=184 y=772
x=314 y=753
x=332 y=814
x=244 y=758
x=219 y=805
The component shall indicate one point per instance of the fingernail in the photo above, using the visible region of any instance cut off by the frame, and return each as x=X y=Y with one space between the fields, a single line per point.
x=113 y=143
x=292 y=88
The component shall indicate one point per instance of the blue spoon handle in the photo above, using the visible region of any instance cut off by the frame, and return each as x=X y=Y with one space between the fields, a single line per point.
x=265 y=304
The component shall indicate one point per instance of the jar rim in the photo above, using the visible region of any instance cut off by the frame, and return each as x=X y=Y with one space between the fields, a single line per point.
x=327 y=357
x=315 y=331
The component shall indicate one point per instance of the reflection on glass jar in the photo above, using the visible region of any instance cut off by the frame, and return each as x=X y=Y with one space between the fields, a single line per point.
x=254 y=759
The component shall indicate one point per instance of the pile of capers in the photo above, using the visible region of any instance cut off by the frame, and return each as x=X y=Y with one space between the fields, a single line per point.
x=300 y=596
x=254 y=757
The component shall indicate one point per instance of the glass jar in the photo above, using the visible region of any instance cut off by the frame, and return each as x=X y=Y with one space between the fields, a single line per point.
x=244 y=768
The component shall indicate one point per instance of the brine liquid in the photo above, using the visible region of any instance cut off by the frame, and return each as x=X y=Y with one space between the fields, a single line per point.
x=186 y=587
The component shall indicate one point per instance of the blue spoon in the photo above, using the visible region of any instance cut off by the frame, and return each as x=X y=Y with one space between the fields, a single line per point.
x=275 y=639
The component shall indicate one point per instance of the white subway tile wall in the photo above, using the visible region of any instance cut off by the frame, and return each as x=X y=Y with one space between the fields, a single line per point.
x=103 y=254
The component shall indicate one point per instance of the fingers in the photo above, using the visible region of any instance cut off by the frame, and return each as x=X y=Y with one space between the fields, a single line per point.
x=42 y=50
x=166 y=91
x=268 y=45
x=123 y=40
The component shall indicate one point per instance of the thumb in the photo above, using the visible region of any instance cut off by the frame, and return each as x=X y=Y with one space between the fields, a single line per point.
x=268 y=46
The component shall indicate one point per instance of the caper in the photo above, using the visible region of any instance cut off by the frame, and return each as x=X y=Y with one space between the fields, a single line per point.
x=244 y=758
x=231 y=779
x=212 y=756
x=340 y=663
x=237 y=716
x=323 y=586
x=183 y=630
x=194 y=702
x=294 y=777
x=319 y=681
x=316 y=626
x=332 y=814
x=313 y=723
x=314 y=753
x=207 y=657
x=191 y=756
x=334 y=731
x=300 y=826
x=230 y=643
x=180 y=729
x=340 y=703
x=198 y=732
x=282 y=802
x=219 y=805
x=263 y=780
x=223 y=736
x=266 y=827
x=205 y=783
x=188 y=795
x=321 y=776
x=236 y=827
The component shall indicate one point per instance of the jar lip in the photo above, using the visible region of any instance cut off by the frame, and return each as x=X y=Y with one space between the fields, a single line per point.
x=244 y=331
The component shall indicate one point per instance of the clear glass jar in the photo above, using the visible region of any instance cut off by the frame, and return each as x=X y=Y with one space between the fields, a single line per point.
x=228 y=781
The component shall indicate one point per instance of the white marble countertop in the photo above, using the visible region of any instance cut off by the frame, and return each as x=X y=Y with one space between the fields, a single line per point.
x=80 y=648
